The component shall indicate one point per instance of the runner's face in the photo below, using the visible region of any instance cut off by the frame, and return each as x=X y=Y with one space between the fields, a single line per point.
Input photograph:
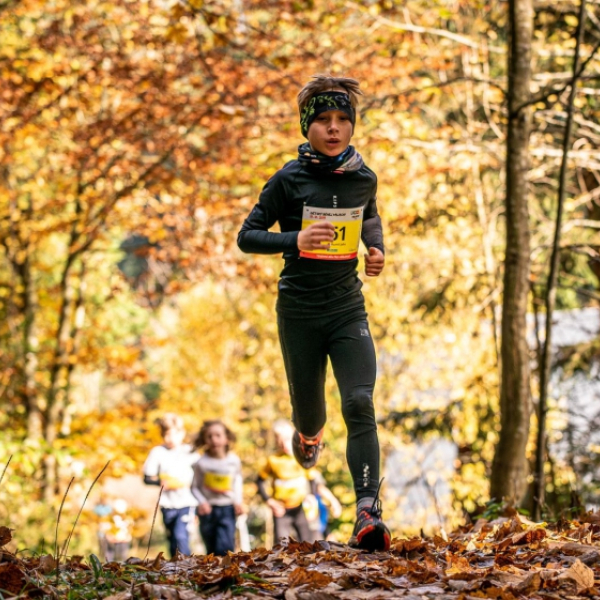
x=216 y=439
x=284 y=442
x=330 y=133
x=173 y=437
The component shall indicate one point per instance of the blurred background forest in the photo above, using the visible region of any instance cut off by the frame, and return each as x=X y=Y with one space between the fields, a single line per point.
x=135 y=136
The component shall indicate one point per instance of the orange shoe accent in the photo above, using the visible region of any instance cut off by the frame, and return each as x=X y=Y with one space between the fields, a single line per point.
x=306 y=452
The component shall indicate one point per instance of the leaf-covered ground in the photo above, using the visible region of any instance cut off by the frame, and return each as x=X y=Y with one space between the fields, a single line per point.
x=504 y=559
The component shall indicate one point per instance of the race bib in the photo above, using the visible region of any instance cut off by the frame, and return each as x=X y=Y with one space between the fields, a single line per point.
x=348 y=225
x=218 y=482
x=290 y=491
x=171 y=482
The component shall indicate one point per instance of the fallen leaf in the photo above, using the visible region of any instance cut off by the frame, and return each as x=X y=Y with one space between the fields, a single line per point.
x=582 y=575
x=308 y=594
x=12 y=578
x=313 y=579
x=5 y=536
x=119 y=596
x=429 y=590
x=157 y=592
x=532 y=583
x=47 y=564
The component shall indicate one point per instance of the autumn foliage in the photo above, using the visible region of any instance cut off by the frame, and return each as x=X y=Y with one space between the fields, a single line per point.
x=509 y=558
x=134 y=138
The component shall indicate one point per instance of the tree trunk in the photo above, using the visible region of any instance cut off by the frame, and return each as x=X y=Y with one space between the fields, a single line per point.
x=27 y=307
x=30 y=349
x=59 y=373
x=509 y=468
x=550 y=298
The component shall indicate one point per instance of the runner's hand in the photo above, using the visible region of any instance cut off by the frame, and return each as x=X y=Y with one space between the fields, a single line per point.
x=374 y=262
x=276 y=506
x=204 y=509
x=314 y=235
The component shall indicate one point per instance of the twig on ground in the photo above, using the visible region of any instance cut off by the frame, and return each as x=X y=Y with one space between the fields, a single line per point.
x=153 y=521
x=56 y=554
x=68 y=540
x=5 y=467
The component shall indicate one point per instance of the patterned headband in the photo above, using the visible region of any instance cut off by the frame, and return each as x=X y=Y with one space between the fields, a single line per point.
x=323 y=102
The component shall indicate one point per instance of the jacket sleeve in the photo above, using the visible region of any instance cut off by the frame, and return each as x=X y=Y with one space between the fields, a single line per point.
x=151 y=468
x=254 y=236
x=372 y=231
x=262 y=488
x=197 y=483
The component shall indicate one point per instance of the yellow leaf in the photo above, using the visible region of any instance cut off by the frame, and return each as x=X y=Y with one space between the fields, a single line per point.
x=571 y=20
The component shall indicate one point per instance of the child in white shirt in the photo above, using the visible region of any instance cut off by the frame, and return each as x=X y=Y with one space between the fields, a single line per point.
x=217 y=487
x=170 y=466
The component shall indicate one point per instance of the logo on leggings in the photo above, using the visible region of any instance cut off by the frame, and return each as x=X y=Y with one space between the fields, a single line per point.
x=366 y=475
x=364 y=332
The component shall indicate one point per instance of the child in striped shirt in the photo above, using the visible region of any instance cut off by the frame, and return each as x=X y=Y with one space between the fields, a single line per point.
x=217 y=485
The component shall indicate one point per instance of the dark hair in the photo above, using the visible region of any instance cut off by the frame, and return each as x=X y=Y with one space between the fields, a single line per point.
x=200 y=440
x=327 y=83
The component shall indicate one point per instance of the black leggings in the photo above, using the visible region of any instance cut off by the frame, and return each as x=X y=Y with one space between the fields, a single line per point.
x=346 y=340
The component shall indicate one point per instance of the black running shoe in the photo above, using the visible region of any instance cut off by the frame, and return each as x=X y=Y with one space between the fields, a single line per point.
x=370 y=532
x=306 y=453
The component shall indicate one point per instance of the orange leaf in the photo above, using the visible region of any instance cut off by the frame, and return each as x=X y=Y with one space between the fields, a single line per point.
x=300 y=576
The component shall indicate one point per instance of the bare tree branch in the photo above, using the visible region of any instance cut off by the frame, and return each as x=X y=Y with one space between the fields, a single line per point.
x=455 y=37
x=574 y=78
x=550 y=293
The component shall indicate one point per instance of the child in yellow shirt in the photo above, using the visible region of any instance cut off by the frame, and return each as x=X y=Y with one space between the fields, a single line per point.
x=290 y=484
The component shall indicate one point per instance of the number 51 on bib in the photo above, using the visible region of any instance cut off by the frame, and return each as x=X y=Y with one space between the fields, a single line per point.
x=348 y=225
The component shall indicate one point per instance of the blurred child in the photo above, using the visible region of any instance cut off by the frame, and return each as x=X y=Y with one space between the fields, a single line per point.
x=217 y=486
x=170 y=466
x=119 y=534
x=319 y=506
x=115 y=529
x=290 y=486
x=102 y=511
